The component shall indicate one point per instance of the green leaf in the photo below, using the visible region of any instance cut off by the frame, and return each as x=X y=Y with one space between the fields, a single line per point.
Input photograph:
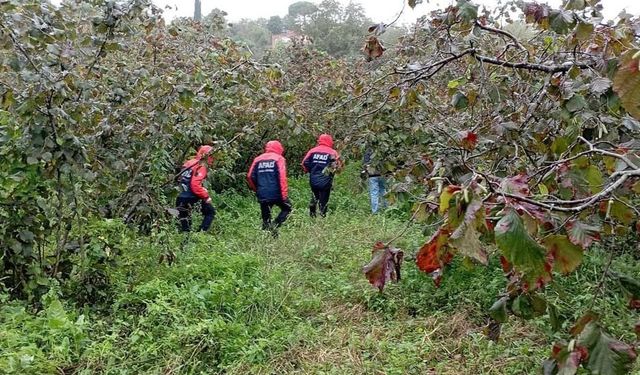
x=607 y=356
x=522 y=308
x=559 y=145
x=561 y=21
x=576 y=103
x=27 y=236
x=584 y=31
x=594 y=177
x=567 y=256
x=554 y=318
x=629 y=285
x=459 y=101
x=517 y=246
x=498 y=310
x=621 y=212
x=467 y=10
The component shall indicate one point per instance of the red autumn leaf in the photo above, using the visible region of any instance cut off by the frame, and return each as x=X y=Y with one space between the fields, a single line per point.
x=385 y=265
x=434 y=255
x=536 y=12
x=518 y=185
x=582 y=234
x=563 y=361
x=506 y=266
x=468 y=139
x=582 y=322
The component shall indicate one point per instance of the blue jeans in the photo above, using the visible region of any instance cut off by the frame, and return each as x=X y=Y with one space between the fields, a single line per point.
x=376 y=193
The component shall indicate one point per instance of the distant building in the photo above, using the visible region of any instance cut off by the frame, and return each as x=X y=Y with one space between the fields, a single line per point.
x=289 y=36
x=286 y=37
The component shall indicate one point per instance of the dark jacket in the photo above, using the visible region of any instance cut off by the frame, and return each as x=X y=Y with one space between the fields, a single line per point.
x=268 y=174
x=369 y=169
x=193 y=175
x=317 y=159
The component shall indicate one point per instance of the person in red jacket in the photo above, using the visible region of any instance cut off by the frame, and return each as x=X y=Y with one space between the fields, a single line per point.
x=193 y=174
x=318 y=162
x=267 y=176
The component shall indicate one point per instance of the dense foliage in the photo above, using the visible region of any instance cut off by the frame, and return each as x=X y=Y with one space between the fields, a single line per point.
x=512 y=133
x=525 y=136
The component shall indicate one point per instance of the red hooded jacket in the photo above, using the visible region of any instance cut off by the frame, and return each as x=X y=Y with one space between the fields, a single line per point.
x=194 y=174
x=267 y=175
x=317 y=159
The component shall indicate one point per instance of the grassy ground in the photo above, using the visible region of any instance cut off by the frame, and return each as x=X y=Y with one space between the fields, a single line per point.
x=238 y=301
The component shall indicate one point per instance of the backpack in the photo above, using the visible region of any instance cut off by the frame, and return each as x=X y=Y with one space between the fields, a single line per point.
x=184 y=179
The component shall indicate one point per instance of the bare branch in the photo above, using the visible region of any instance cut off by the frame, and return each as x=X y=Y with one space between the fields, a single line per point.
x=505 y=33
x=588 y=202
x=540 y=67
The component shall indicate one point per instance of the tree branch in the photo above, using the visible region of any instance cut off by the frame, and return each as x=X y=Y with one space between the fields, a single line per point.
x=531 y=66
x=502 y=32
x=588 y=202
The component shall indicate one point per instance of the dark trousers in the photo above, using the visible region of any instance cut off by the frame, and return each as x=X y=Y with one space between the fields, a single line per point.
x=319 y=197
x=265 y=210
x=185 y=205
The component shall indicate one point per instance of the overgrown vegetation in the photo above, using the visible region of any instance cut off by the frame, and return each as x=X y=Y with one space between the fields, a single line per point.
x=510 y=135
x=238 y=301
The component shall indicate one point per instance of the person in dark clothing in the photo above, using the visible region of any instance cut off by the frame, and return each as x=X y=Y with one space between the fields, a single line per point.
x=267 y=176
x=376 y=183
x=193 y=173
x=318 y=162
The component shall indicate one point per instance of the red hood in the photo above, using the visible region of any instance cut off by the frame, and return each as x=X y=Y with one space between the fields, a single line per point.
x=325 y=140
x=203 y=150
x=275 y=147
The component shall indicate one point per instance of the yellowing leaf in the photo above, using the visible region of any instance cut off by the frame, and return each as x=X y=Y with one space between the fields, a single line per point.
x=567 y=256
x=626 y=83
x=445 y=197
x=594 y=178
x=466 y=237
x=544 y=191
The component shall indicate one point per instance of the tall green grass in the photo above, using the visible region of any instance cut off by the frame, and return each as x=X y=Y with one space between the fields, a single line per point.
x=238 y=301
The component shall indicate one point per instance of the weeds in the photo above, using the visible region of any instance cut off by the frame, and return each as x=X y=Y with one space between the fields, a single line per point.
x=238 y=301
